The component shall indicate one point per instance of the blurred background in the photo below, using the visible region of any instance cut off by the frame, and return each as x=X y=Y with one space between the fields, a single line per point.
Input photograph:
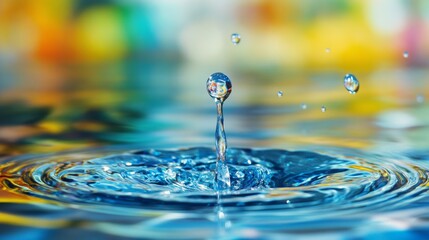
x=77 y=73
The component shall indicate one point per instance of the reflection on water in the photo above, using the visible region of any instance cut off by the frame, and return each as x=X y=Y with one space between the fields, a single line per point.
x=380 y=133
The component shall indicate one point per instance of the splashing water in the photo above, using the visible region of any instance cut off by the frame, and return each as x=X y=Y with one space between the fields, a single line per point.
x=235 y=38
x=351 y=83
x=261 y=180
x=219 y=87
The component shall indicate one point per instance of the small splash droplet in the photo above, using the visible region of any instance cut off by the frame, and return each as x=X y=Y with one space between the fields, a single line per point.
x=405 y=54
x=221 y=214
x=219 y=86
x=351 y=83
x=304 y=106
x=327 y=50
x=420 y=98
x=239 y=174
x=280 y=93
x=235 y=38
x=323 y=109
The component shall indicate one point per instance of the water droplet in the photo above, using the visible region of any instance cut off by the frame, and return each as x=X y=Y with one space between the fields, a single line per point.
x=280 y=93
x=235 y=38
x=304 y=106
x=106 y=168
x=405 y=54
x=128 y=164
x=327 y=50
x=221 y=214
x=287 y=201
x=323 y=109
x=219 y=86
x=420 y=98
x=239 y=174
x=351 y=83
x=228 y=224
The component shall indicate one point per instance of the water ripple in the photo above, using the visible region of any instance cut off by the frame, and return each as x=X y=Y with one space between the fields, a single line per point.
x=268 y=181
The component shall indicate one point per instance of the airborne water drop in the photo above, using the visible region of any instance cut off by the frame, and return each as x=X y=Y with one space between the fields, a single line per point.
x=351 y=83
x=235 y=38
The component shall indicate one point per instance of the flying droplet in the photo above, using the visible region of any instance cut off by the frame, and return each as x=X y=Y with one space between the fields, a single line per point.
x=280 y=93
x=351 y=83
x=323 y=109
x=327 y=50
x=235 y=38
x=304 y=106
x=219 y=86
x=405 y=54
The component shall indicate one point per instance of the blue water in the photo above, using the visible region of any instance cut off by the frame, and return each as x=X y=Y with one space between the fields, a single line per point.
x=271 y=190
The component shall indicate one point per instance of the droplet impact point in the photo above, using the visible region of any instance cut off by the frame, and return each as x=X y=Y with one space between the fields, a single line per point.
x=280 y=93
x=351 y=83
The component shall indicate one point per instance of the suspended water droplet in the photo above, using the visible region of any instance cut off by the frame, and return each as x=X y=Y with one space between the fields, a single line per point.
x=304 y=106
x=323 y=109
x=351 y=83
x=420 y=98
x=327 y=50
x=405 y=54
x=235 y=38
x=219 y=86
x=280 y=93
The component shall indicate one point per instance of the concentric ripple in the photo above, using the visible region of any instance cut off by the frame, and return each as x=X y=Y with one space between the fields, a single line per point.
x=183 y=179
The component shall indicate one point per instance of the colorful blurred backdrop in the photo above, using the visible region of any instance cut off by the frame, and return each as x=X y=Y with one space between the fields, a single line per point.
x=78 y=73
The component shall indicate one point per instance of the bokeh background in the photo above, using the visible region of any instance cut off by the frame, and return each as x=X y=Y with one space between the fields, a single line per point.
x=78 y=73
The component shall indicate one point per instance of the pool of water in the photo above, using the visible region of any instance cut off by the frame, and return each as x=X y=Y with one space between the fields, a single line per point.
x=116 y=166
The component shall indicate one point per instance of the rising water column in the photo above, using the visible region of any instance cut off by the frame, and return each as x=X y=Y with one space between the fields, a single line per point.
x=219 y=87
